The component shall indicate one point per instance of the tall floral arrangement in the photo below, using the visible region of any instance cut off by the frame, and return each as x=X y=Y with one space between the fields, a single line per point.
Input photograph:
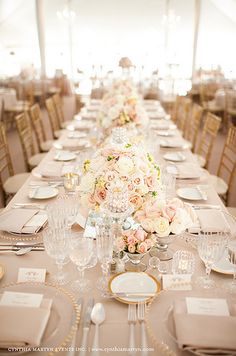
x=128 y=164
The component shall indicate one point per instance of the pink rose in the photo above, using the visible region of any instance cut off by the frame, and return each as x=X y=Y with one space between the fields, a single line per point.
x=100 y=195
x=131 y=240
x=153 y=210
x=140 y=215
x=140 y=234
x=120 y=243
x=169 y=212
x=177 y=203
x=149 y=243
x=150 y=181
x=131 y=248
x=142 y=248
x=136 y=200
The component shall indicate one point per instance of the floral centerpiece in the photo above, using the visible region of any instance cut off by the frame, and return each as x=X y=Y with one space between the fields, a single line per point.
x=164 y=218
x=128 y=164
x=120 y=110
x=134 y=241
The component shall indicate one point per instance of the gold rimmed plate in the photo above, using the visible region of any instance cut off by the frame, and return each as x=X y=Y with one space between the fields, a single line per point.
x=133 y=287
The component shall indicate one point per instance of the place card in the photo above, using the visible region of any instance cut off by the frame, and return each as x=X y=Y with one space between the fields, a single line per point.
x=176 y=282
x=31 y=275
x=18 y=299
x=207 y=306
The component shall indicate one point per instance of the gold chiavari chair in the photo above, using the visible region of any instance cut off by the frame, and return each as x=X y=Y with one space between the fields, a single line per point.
x=183 y=113
x=59 y=110
x=193 y=125
x=37 y=123
x=230 y=107
x=25 y=133
x=10 y=183
x=53 y=118
x=223 y=181
x=177 y=108
x=210 y=130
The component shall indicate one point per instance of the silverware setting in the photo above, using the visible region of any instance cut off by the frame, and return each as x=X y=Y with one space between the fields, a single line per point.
x=18 y=248
x=97 y=316
x=73 y=342
x=86 y=326
x=28 y=206
x=206 y=206
x=141 y=319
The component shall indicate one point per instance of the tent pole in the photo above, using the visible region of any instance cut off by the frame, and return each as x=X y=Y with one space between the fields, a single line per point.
x=41 y=34
x=196 y=31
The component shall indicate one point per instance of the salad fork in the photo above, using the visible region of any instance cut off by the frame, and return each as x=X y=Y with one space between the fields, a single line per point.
x=141 y=314
x=132 y=318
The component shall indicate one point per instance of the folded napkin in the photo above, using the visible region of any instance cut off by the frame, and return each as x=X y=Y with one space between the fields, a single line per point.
x=205 y=334
x=71 y=145
x=210 y=220
x=22 y=326
x=22 y=221
x=185 y=170
x=173 y=143
x=55 y=170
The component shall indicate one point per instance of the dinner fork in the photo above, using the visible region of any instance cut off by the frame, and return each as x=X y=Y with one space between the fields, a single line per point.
x=141 y=314
x=132 y=318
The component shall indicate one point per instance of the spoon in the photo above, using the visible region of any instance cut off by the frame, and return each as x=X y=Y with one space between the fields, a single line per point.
x=97 y=317
x=20 y=252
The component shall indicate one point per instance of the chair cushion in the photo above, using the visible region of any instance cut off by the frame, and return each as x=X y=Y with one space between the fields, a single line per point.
x=219 y=184
x=201 y=160
x=58 y=133
x=66 y=123
x=14 y=183
x=46 y=145
x=232 y=210
x=36 y=159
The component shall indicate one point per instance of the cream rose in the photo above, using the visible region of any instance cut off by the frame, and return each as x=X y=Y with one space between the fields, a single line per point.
x=125 y=165
x=136 y=200
x=161 y=227
x=148 y=225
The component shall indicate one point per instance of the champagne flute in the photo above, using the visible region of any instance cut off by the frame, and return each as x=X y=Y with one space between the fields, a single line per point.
x=104 y=240
x=81 y=250
x=211 y=247
x=232 y=260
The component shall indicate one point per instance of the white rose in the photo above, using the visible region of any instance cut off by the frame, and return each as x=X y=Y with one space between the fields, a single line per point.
x=87 y=182
x=148 y=225
x=125 y=165
x=181 y=222
x=162 y=227
x=97 y=164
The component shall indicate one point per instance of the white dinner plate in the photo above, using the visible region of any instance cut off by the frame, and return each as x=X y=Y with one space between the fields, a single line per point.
x=76 y=134
x=174 y=157
x=166 y=133
x=64 y=156
x=189 y=193
x=43 y=193
x=174 y=144
x=224 y=266
x=133 y=282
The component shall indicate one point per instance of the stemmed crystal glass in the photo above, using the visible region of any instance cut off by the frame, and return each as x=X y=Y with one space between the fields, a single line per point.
x=232 y=260
x=211 y=247
x=81 y=250
x=57 y=247
x=104 y=241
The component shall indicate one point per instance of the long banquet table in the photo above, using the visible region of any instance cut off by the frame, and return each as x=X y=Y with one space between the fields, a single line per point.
x=114 y=332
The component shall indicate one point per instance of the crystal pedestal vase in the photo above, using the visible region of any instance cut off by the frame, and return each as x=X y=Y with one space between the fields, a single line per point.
x=161 y=248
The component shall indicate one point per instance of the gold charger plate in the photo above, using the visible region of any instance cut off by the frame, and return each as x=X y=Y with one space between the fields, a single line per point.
x=63 y=320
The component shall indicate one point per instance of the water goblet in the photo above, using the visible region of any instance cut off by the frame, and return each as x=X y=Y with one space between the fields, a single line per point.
x=81 y=249
x=183 y=262
x=56 y=246
x=211 y=247
x=104 y=241
x=232 y=260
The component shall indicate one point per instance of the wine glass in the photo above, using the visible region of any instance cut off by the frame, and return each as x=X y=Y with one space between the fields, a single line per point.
x=232 y=260
x=57 y=247
x=211 y=247
x=81 y=250
x=104 y=241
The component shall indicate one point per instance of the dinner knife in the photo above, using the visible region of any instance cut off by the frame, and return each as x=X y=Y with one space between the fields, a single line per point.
x=17 y=248
x=71 y=351
x=86 y=326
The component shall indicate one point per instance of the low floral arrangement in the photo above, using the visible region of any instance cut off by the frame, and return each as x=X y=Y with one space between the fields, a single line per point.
x=164 y=218
x=130 y=165
x=120 y=110
x=125 y=62
x=134 y=241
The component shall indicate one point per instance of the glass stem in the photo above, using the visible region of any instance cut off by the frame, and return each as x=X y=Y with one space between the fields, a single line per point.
x=234 y=276
x=208 y=271
x=105 y=269
x=81 y=272
x=59 y=265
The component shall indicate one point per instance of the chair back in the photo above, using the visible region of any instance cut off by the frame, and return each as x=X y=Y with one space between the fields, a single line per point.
x=183 y=113
x=52 y=114
x=59 y=108
x=37 y=123
x=193 y=124
x=25 y=133
x=227 y=166
x=210 y=130
x=6 y=167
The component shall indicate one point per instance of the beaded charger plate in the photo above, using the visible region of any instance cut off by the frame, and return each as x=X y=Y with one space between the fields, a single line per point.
x=63 y=320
